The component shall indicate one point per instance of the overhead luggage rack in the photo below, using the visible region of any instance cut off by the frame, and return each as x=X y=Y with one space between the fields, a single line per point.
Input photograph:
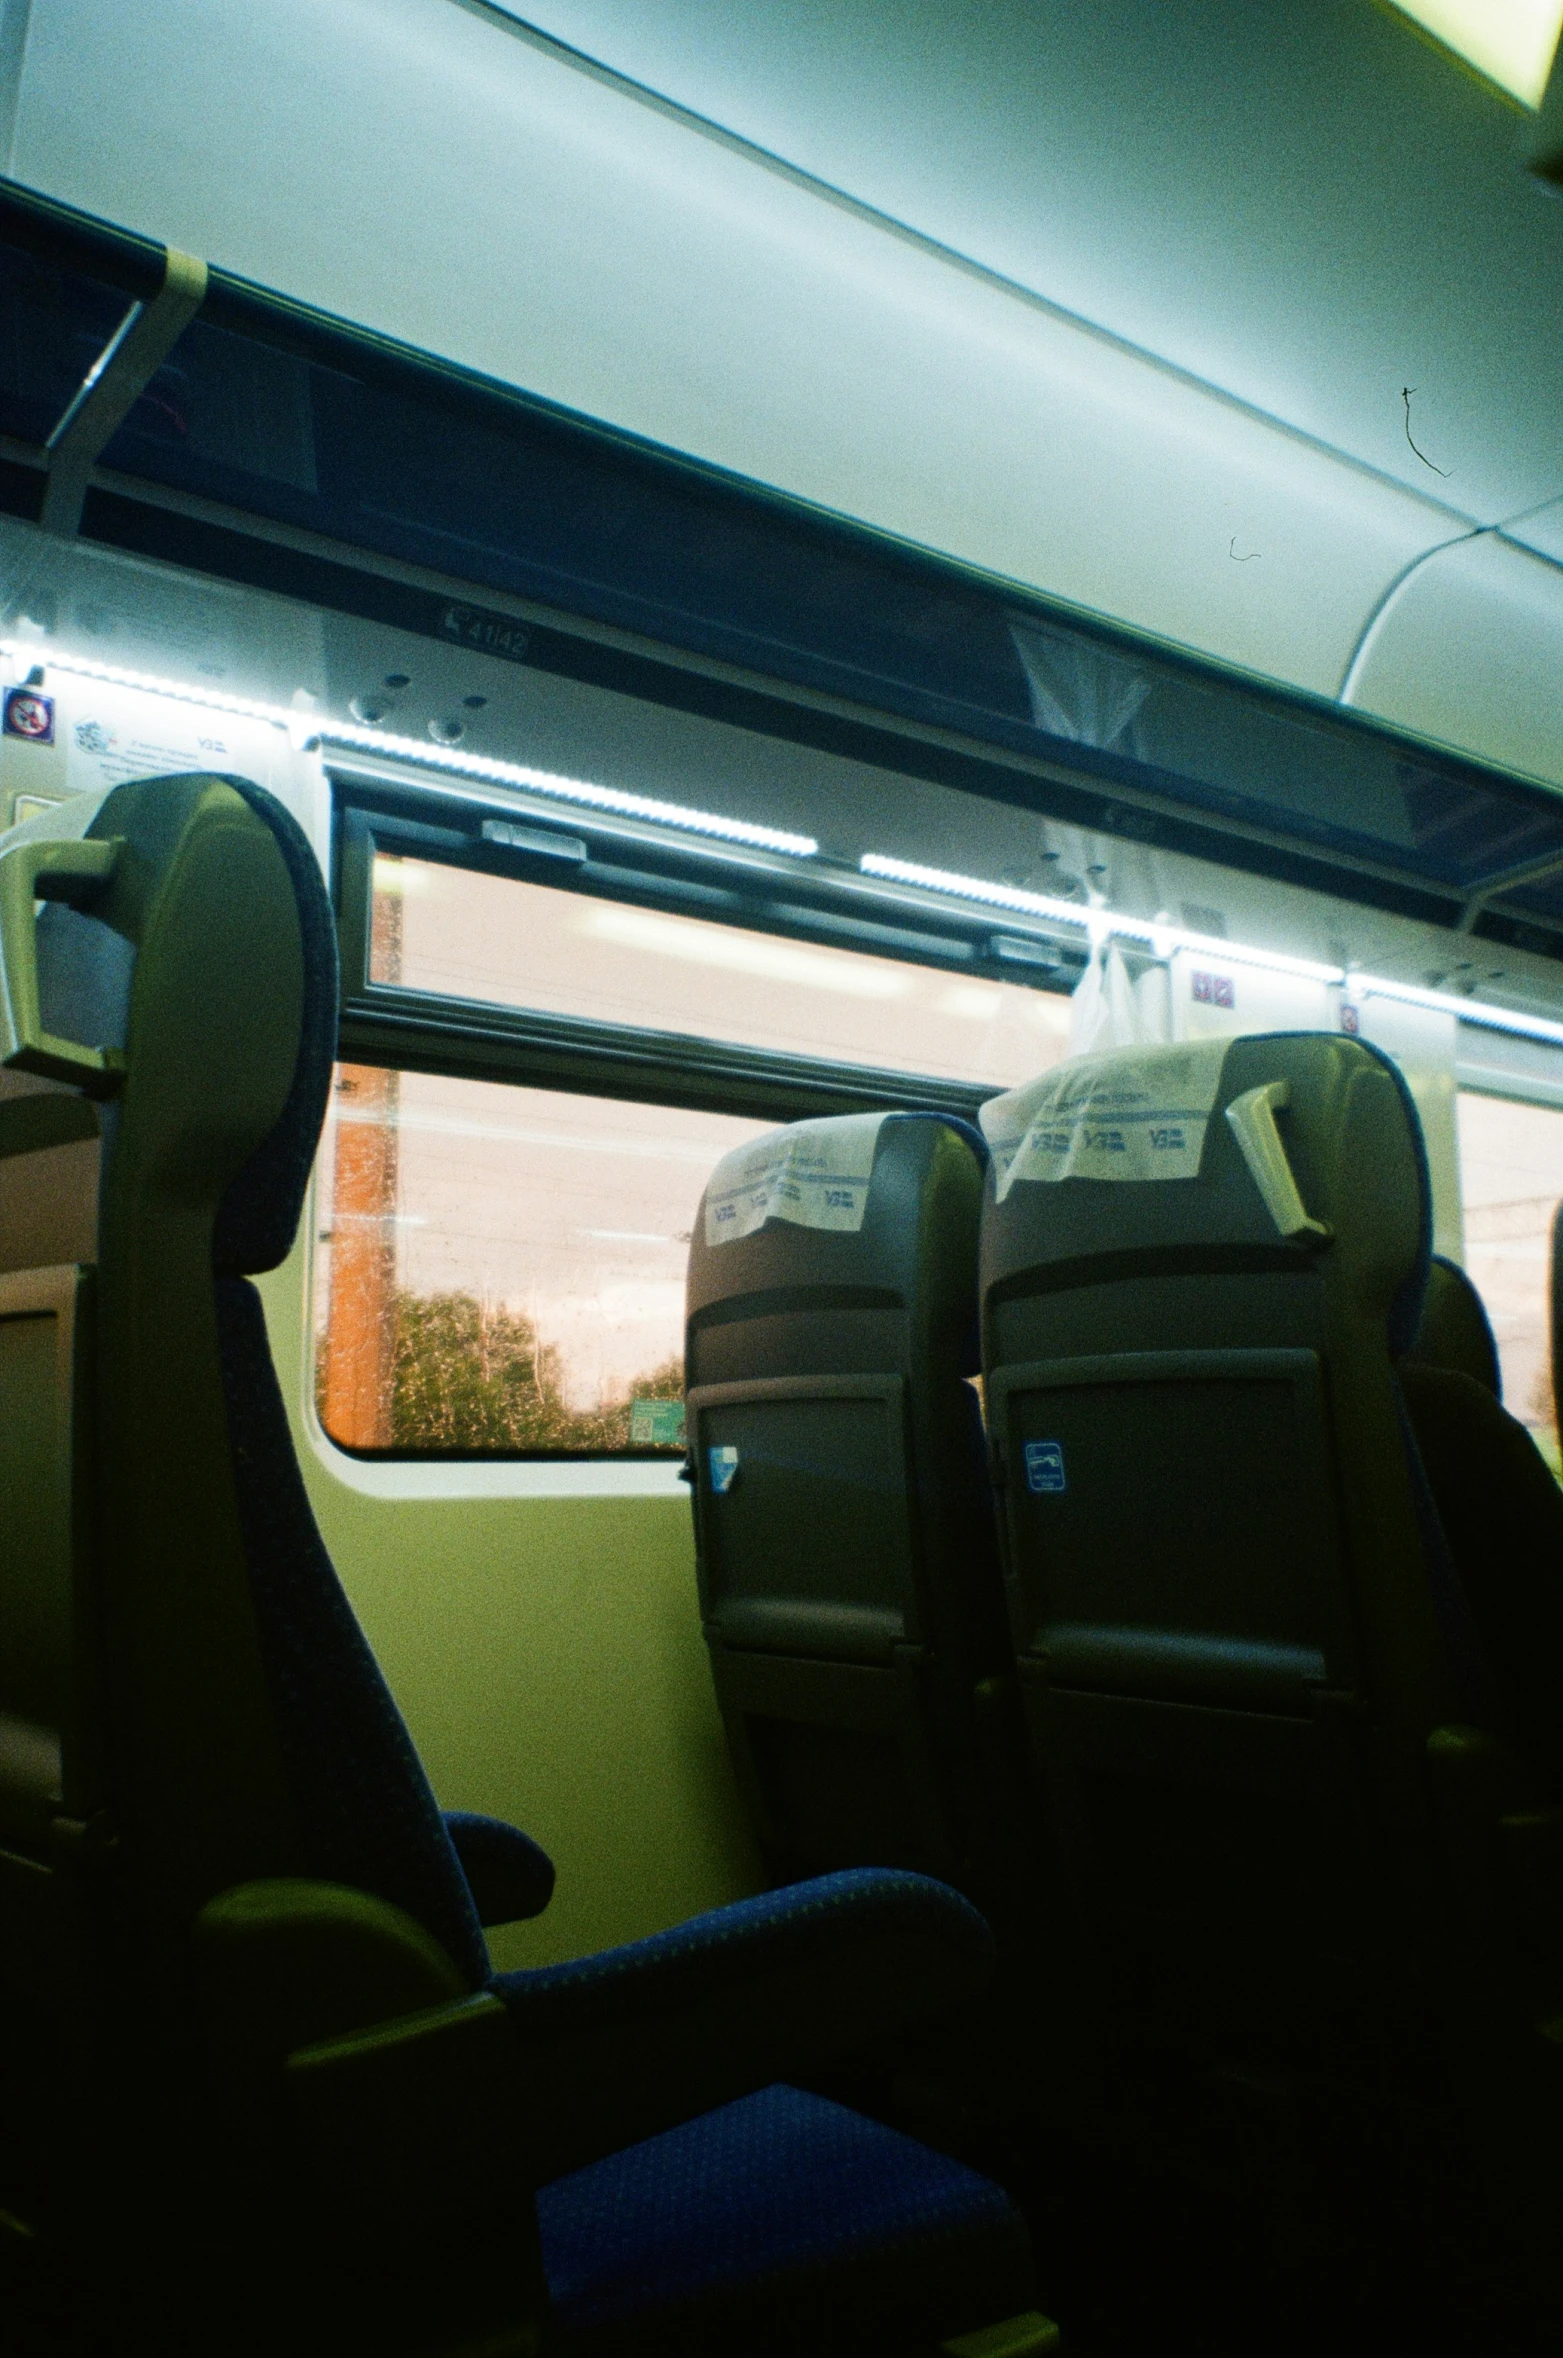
x=262 y=442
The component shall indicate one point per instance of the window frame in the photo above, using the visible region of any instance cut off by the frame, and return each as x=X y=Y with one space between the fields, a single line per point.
x=375 y=813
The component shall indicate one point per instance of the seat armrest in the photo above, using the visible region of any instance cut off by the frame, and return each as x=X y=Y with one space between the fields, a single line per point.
x=509 y=1875
x=617 y=2046
x=335 y=2022
x=416 y=2121
x=286 y=1962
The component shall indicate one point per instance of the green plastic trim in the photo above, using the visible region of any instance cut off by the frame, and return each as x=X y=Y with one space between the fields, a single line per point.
x=57 y=871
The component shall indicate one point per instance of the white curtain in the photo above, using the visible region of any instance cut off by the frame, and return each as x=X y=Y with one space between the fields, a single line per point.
x=1111 y=1011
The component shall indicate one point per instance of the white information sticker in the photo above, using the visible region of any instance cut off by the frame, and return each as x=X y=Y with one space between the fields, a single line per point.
x=815 y=1174
x=1129 y=1113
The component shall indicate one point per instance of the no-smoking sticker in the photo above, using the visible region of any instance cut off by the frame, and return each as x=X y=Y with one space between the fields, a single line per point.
x=29 y=715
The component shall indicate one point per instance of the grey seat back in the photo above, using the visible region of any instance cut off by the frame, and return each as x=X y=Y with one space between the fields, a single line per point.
x=1198 y=1267
x=849 y=1581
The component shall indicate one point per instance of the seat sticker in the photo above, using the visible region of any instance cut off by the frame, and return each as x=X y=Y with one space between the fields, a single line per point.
x=723 y=1462
x=814 y=1174
x=1128 y=1113
x=1045 y=1467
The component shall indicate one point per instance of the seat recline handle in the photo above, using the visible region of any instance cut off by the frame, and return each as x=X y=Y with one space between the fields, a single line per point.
x=31 y=871
x=1251 y=1119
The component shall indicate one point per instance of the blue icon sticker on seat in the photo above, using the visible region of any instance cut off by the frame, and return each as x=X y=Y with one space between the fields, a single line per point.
x=723 y=1463
x=1045 y=1466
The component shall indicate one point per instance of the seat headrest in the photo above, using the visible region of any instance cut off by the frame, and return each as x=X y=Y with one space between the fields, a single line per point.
x=1454 y=1331
x=858 y=1212
x=1254 y=1147
x=812 y=1175
x=186 y=845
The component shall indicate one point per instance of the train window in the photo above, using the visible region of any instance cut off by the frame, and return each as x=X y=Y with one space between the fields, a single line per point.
x=501 y=1269
x=1511 y=1181
x=512 y=942
x=562 y=1043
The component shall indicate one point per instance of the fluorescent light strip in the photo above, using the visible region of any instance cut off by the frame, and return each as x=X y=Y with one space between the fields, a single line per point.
x=1477 y=1011
x=1165 y=938
x=306 y=727
x=29 y=652
x=603 y=798
x=1096 y=922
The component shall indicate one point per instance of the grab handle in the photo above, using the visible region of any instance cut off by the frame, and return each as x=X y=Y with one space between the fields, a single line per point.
x=41 y=870
x=1253 y=1125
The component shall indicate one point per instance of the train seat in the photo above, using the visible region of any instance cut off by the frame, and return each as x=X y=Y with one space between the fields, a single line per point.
x=847 y=1555
x=1454 y=1330
x=1240 y=1633
x=1500 y=1509
x=240 y=1947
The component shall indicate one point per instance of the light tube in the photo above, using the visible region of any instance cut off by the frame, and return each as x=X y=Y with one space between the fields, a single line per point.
x=489 y=772
x=1099 y=922
x=1096 y=922
x=306 y=728
x=1512 y=42
x=1477 y=1011
x=972 y=888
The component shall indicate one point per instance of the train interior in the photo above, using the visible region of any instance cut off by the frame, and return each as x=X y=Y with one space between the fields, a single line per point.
x=781 y=1137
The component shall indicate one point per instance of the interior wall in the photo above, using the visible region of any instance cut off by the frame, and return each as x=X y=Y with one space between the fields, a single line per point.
x=547 y=1656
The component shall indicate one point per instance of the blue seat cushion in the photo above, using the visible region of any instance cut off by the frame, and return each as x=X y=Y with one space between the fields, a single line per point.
x=782 y=2222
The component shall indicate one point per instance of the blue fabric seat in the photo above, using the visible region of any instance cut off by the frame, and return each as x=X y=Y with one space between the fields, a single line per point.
x=302 y=1925
x=781 y=2222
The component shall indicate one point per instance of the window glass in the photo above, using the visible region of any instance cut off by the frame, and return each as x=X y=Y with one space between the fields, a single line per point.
x=457 y=932
x=1511 y=1180
x=501 y=1270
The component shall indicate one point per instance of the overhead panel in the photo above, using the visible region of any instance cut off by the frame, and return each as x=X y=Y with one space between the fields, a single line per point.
x=419 y=167
x=1541 y=530
x=291 y=452
x=1469 y=646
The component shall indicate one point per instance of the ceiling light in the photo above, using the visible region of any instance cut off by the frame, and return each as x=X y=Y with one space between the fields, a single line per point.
x=1511 y=42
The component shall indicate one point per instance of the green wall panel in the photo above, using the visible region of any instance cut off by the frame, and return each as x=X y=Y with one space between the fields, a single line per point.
x=548 y=1659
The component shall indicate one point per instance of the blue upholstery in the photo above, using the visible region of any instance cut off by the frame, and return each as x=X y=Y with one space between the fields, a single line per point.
x=508 y=1874
x=258 y=1216
x=1405 y=1312
x=734 y=2232
x=771 y=1932
x=367 y=1815
x=84 y=976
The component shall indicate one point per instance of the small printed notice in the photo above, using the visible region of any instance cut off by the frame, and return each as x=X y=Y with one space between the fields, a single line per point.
x=1045 y=1467
x=656 y=1424
x=1128 y=1113
x=118 y=733
x=815 y=1174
